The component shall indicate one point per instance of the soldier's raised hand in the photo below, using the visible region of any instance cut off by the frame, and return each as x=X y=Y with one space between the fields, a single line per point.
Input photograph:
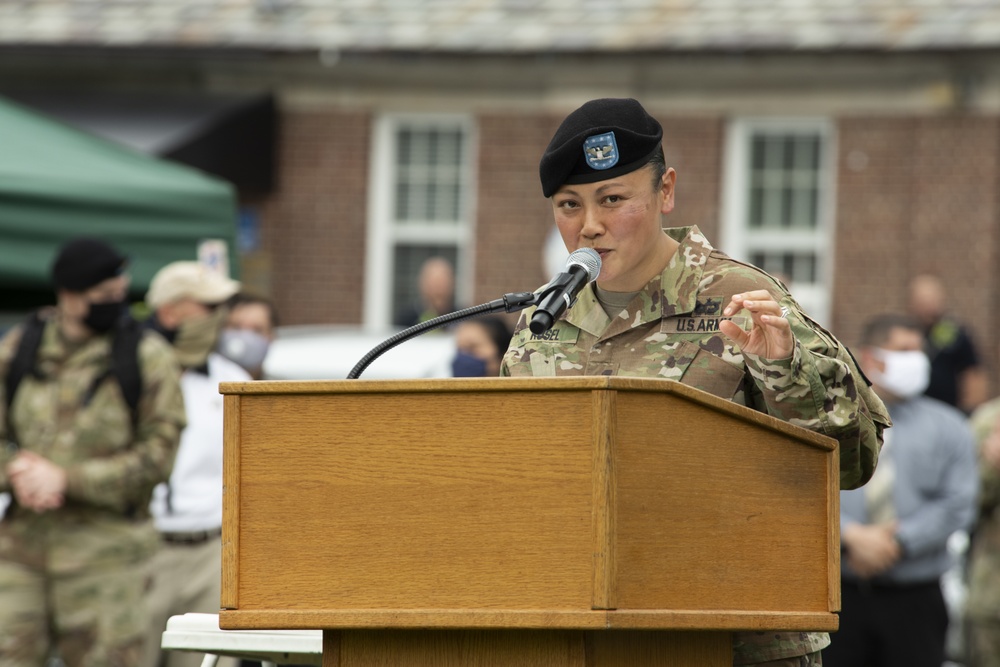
x=770 y=337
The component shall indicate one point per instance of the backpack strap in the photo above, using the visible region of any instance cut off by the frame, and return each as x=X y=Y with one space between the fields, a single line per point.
x=125 y=362
x=23 y=363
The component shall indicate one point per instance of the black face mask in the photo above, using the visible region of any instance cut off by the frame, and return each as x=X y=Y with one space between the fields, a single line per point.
x=102 y=317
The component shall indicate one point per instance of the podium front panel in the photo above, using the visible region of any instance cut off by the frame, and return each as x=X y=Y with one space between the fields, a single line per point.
x=569 y=503
x=385 y=501
x=716 y=513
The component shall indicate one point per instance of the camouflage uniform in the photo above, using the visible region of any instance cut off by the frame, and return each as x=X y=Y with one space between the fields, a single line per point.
x=983 y=604
x=671 y=330
x=73 y=577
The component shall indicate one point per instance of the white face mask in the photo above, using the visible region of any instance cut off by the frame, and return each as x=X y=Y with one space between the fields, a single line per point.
x=906 y=374
x=247 y=348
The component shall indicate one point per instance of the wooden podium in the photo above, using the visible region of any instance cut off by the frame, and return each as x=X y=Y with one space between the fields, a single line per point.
x=593 y=521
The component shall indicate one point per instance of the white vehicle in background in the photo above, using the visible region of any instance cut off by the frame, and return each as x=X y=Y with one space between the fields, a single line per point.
x=323 y=352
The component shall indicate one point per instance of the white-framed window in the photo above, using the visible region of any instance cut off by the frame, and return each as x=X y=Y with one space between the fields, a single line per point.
x=778 y=203
x=421 y=206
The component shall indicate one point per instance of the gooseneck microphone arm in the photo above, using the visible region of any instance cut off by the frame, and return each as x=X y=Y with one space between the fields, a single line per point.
x=510 y=303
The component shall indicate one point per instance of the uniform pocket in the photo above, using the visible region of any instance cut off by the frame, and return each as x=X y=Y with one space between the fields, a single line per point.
x=713 y=374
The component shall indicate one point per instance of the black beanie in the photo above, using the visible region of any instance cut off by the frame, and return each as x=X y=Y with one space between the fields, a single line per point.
x=602 y=139
x=85 y=262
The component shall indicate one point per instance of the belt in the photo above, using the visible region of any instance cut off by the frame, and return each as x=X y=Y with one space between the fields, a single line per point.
x=890 y=585
x=192 y=538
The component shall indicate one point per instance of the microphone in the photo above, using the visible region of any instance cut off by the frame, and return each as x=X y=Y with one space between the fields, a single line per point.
x=582 y=266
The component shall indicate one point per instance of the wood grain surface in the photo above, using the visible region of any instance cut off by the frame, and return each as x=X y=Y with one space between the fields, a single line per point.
x=596 y=503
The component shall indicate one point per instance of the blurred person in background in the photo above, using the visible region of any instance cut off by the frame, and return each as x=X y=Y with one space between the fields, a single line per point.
x=481 y=343
x=957 y=376
x=187 y=300
x=982 y=611
x=92 y=426
x=436 y=284
x=895 y=529
x=250 y=328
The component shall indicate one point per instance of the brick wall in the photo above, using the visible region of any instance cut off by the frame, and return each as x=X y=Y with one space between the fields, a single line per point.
x=917 y=195
x=313 y=227
x=512 y=216
x=693 y=146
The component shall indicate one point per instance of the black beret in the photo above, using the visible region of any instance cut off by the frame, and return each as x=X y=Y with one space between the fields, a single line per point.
x=85 y=262
x=602 y=139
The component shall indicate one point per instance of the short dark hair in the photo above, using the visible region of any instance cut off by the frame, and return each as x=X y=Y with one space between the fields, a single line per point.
x=658 y=165
x=247 y=299
x=878 y=328
x=498 y=330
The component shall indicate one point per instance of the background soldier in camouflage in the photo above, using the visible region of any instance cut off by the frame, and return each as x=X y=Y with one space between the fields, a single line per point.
x=983 y=605
x=73 y=546
x=667 y=304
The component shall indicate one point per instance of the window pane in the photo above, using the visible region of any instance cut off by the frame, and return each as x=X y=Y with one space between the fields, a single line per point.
x=795 y=267
x=402 y=201
x=783 y=181
x=804 y=268
x=775 y=153
x=786 y=207
x=447 y=148
x=429 y=182
x=807 y=154
x=772 y=208
x=804 y=207
x=788 y=161
x=756 y=215
x=403 y=146
x=758 y=146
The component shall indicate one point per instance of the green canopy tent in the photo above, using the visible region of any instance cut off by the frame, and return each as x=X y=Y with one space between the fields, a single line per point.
x=57 y=183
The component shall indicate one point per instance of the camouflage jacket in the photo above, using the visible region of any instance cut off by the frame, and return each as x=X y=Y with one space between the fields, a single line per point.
x=111 y=463
x=983 y=603
x=671 y=330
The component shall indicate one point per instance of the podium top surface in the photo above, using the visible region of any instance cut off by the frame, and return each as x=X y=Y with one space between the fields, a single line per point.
x=586 y=383
x=579 y=383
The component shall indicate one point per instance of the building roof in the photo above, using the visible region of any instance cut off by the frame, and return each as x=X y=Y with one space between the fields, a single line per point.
x=505 y=26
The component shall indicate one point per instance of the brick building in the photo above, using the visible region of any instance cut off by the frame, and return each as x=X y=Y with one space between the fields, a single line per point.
x=844 y=145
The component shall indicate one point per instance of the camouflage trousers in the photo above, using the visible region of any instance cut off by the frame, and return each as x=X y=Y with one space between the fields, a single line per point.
x=811 y=660
x=90 y=618
x=983 y=646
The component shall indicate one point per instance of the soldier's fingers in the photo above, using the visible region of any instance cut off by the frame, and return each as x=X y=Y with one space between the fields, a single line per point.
x=733 y=331
x=17 y=466
x=778 y=321
x=763 y=307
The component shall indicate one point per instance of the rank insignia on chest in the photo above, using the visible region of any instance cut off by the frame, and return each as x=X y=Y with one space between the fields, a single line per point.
x=709 y=306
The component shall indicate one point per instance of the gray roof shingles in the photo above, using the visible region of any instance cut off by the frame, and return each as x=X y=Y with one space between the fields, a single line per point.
x=506 y=26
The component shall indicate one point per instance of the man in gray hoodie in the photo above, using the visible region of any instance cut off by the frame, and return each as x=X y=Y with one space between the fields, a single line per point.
x=895 y=529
